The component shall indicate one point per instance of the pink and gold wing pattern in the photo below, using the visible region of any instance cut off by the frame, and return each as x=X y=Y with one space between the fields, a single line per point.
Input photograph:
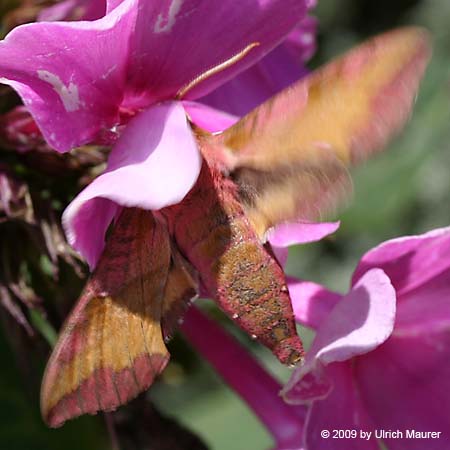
x=290 y=156
x=112 y=346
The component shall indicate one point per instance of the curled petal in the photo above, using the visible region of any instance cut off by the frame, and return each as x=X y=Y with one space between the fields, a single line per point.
x=360 y=322
x=287 y=234
x=70 y=75
x=154 y=164
x=410 y=261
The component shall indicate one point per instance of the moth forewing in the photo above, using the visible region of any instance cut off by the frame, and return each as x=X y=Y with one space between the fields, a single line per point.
x=112 y=345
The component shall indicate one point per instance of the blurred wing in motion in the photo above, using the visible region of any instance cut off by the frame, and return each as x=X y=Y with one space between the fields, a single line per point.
x=112 y=346
x=289 y=157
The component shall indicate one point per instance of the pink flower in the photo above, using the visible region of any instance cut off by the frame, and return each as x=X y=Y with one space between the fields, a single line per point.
x=381 y=357
x=82 y=81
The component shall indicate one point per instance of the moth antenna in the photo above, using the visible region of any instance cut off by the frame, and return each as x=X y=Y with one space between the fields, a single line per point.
x=216 y=69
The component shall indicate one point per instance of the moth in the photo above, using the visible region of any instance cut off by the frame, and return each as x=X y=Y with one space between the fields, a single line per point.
x=287 y=160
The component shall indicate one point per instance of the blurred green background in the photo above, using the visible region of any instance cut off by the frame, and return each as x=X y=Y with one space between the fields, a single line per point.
x=403 y=191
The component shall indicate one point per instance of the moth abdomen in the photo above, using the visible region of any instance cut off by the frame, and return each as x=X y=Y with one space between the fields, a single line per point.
x=251 y=290
x=215 y=235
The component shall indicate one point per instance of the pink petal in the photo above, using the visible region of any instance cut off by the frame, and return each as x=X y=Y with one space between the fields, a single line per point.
x=342 y=409
x=288 y=234
x=312 y=303
x=405 y=384
x=280 y=68
x=154 y=164
x=425 y=308
x=70 y=75
x=208 y=118
x=276 y=71
x=410 y=261
x=176 y=41
x=360 y=322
